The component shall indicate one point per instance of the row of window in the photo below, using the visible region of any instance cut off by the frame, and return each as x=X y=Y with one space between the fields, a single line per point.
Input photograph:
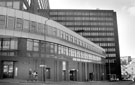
x=48 y=47
x=39 y=28
x=8 y=53
x=88 y=23
x=111 y=55
x=97 y=34
x=8 y=44
x=88 y=13
x=110 y=60
x=106 y=44
x=66 y=18
x=10 y=4
x=110 y=49
x=101 y=39
x=93 y=28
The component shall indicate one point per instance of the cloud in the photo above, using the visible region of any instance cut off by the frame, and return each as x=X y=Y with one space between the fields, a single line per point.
x=129 y=7
x=131 y=10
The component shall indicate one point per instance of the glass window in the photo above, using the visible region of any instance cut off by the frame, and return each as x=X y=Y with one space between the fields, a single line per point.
x=33 y=27
x=67 y=51
x=16 y=5
x=54 y=30
x=10 y=23
x=26 y=25
x=40 y=28
x=2 y=3
x=112 y=55
x=43 y=47
x=2 y=22
x=55 y=48
x=59 y=49
x=47 y=47
x=9 y=4
x=36 y=45
x=49 y=30
x=29 y=45
x=19 y=24
x=51 y=48
x=62 y=50
x=14 y=44
x=6 y=44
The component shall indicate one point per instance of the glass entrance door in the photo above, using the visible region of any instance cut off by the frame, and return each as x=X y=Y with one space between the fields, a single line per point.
x=8 y=69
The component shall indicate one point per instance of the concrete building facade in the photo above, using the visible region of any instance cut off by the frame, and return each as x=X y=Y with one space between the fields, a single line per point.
x=33 y=43
x=98 y=26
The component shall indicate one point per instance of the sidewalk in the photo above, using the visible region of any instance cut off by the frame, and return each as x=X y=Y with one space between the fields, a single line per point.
x=25 y=82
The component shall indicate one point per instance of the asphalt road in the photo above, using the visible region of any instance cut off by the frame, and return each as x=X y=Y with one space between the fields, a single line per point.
x=71 y=83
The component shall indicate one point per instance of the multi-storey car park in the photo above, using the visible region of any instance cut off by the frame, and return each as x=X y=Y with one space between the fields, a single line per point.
x=32 y=42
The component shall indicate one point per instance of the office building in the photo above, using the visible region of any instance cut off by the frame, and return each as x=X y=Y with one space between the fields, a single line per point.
x=33 y=43
x=99 y=26
x=31 y=6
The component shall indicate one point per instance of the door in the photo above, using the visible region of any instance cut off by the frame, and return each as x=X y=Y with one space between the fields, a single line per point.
x=73 y=75
x=8 y=69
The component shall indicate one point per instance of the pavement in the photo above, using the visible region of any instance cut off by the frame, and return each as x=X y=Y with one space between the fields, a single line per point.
x=25 y=82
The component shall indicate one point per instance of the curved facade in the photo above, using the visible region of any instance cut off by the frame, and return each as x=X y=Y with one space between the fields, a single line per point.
x=98 y=26
x=31 y=42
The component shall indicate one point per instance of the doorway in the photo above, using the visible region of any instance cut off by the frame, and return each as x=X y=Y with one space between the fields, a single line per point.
x=8 y=69
x=73 y=75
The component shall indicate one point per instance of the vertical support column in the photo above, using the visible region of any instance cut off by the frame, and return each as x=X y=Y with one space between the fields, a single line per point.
x=86 y=77
x=60 y=70
x=55 y=70
x=67 y=69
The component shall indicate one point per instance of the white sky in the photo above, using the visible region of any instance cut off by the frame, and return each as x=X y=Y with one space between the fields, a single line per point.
x=125 y=18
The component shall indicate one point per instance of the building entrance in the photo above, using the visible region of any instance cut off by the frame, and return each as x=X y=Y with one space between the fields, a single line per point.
x=73 y=75
x=8 y=69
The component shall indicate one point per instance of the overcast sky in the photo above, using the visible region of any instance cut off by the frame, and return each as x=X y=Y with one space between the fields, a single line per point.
x=125 y=17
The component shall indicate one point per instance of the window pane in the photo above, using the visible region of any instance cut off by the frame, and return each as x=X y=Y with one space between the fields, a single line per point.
x=47 y=47
x=2 y=22
x=33 y=27
x=14 y=44
x=36 y=45
x=29 y=45
x=10 y=23
x=9 y=4
x=26 y=25
x=3 y=3
x=6 y=44
x=43 y=47
x=40 y=28
x=51 y=48
x=16 y=5
x=19 y=24
x=55 y=48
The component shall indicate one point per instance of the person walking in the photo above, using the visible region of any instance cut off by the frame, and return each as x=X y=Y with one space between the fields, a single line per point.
x=30 y=75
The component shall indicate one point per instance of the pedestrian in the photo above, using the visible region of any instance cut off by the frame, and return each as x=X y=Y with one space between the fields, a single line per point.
x=35 y=75
x=30 y=75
